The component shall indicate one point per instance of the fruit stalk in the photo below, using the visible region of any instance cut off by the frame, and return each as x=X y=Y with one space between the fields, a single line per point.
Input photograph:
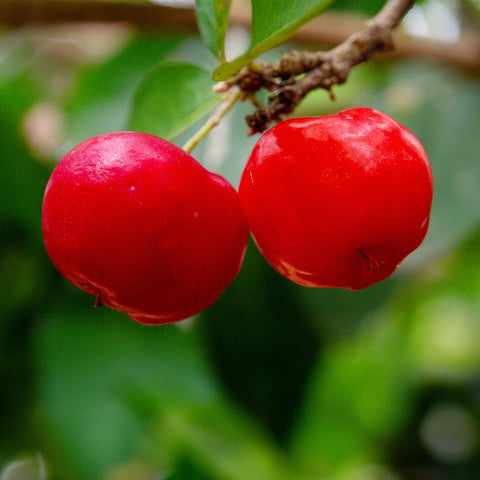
x=232 y=97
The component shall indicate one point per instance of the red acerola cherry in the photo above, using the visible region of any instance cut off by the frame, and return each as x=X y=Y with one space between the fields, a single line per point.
x=338 y=200
x=140 y=224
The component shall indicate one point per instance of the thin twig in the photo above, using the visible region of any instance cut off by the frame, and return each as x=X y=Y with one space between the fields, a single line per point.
x=321 y=69
x=392 y=13
x=232 y=97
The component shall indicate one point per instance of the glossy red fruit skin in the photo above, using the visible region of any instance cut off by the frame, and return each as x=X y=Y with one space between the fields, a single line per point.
x=140 y=224
x=338 y=200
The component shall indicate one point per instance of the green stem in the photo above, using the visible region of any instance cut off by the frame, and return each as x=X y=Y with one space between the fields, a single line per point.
x=233 y=96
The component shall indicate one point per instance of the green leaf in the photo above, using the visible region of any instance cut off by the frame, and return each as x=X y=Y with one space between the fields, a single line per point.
x=476 y=5
x=222 y=8
x=253 y=357
x=99 y=104
x=358 y=400
x=23 y=178
x=273 y=21
x=106 y=380
x=172 y=97
x=365 y=7
x=188 y=470
x=212 y=18
x=207 y=24
x=86 y=357
x=215 y=435
x=441 y=317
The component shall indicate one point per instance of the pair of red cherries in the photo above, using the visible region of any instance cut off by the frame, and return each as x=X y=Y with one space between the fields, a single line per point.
x=331 y=201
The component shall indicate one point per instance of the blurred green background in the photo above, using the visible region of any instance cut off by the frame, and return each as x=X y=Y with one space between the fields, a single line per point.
x=274 y=381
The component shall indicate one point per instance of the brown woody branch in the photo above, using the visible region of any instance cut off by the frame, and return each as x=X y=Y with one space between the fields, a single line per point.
x=321 y=69
x=145 y=15
x=328 y=29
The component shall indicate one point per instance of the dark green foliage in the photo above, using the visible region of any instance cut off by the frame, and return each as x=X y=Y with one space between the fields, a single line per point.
x=274 y=381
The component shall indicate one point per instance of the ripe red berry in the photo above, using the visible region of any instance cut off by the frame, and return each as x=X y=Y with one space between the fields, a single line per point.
x=140 y=224
x=338 y=200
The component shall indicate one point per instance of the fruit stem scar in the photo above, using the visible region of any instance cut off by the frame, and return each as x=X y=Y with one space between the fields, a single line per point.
x=98 y=300
x=372 y=261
